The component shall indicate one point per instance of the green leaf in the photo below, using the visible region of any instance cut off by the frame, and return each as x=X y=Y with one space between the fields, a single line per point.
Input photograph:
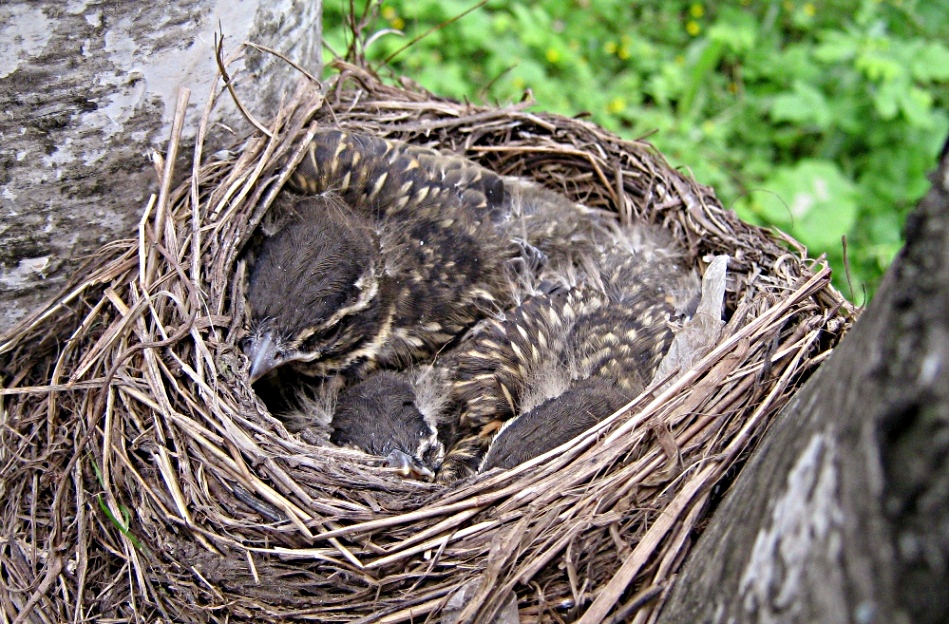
x=667 y=84
x=887 y=99
x=804 y=104
x=736 y=30
x=813 y=200
x=837 y=47
x=886 y=229
x=709 y=54
x=930 y=63
x=916 y=104
x=878 y=65
x=123 y=528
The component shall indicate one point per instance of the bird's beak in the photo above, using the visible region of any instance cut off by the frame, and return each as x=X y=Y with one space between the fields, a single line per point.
x=262 y=352
x=408 y=466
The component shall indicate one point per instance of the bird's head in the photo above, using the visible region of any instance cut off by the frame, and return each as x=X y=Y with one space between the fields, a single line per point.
x=312 y=290
x=381 y=416
x=553 y=422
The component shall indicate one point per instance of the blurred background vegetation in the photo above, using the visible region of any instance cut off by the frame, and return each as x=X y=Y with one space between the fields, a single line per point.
x=819 y=118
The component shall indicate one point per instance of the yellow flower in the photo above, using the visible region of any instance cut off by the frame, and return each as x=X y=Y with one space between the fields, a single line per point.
x=553 y=55
x=616 y=105
x=692 y=27
x=697 y=10
x=809 y=10
x=609 y=47
x=392 y=16
x=623 y=53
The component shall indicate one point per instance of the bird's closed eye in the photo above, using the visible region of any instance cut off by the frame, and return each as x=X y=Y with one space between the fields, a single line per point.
x=330 y=333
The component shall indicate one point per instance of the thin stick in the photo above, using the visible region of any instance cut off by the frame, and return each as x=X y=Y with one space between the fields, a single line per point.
x=611 y=593
x=222 y=68
x=285 y=59
x=418 y=38
x=161 y=209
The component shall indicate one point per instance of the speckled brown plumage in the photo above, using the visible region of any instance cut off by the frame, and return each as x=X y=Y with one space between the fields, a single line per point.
x=611 y=329
x=334 y=292
x=535 y=376
x=384 y=177
x=421 y=245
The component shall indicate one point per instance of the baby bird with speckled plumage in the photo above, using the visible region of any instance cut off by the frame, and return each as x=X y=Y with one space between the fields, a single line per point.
x=576 y=351
x=584 y=342
x=388 y=251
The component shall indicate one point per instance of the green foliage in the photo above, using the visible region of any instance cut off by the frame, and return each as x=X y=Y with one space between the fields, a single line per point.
x=124 y=525
x=821 y=118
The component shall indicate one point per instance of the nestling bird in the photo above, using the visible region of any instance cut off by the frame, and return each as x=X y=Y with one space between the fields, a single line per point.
x=553 y=422
x=395 y=251
x=606 y=333
x=389 y=415
x=585 y=402
x=334 y=292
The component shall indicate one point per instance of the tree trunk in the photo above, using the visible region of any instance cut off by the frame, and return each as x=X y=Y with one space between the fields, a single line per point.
x=88 y=89
x=842 y=514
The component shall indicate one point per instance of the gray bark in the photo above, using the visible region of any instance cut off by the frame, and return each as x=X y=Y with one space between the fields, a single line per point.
x=88 y=88
x=842 y=514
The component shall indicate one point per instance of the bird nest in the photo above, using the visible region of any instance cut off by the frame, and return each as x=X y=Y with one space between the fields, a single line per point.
x=142 y=478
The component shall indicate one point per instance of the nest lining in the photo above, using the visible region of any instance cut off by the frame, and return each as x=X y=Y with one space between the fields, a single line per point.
x=143 y=479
